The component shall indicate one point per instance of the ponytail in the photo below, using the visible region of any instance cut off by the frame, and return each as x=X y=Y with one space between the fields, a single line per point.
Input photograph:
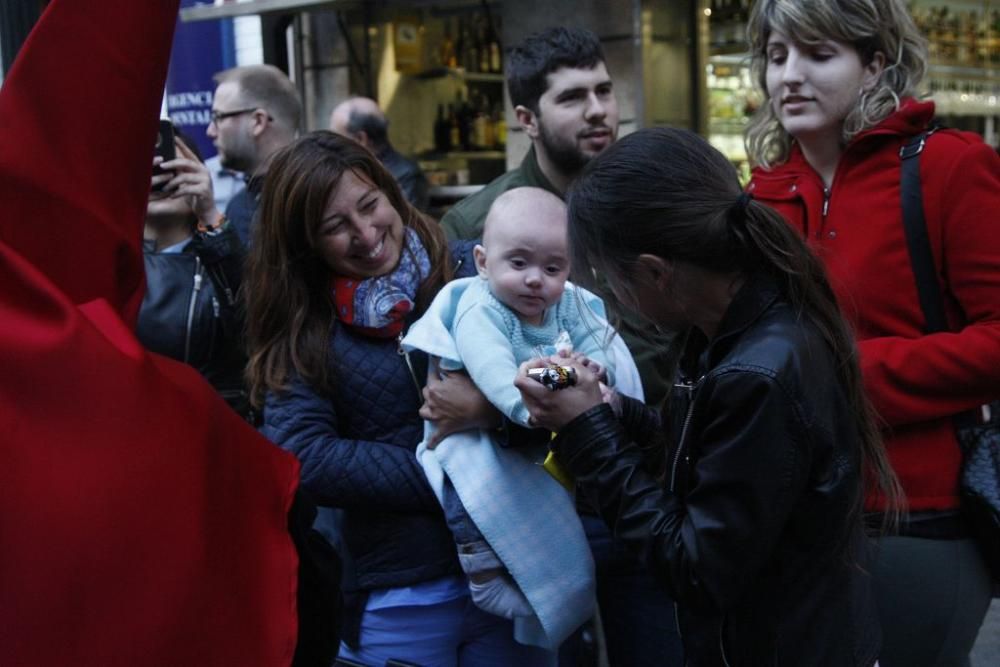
x=803 y=281
x=667 y=192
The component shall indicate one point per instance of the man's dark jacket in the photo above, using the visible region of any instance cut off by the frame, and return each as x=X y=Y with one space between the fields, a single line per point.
x=408 y=174
x=241 y=212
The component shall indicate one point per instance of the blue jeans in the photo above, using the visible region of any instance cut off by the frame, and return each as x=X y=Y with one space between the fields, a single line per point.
x=449 y=634
x=640 y=625
x=462 y=528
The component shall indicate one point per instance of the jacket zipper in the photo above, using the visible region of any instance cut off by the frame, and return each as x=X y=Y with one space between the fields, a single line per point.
x=409 y=365
x=826 y=201
x=722 y=643
x=218 y=277
x=191 y=306
x=690 y=388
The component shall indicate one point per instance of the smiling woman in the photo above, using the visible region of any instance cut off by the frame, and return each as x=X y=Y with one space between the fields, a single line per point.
x=340 y=266
x=361 y=233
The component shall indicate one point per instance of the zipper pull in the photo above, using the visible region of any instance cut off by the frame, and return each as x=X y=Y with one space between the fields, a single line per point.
x=409 y=365
x=826 y=201
x=687 y=384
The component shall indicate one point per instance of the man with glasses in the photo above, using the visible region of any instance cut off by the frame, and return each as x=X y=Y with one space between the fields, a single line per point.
x=255 y=112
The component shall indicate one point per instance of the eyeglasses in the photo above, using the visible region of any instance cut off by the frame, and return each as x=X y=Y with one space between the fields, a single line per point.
x=222 y=115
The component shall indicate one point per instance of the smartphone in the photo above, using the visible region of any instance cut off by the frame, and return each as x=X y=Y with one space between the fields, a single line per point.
x=164 y=147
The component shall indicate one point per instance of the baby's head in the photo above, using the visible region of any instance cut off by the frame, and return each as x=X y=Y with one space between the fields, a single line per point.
x=524 y=254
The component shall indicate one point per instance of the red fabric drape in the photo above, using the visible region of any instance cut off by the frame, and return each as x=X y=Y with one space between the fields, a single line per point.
x=141 y=521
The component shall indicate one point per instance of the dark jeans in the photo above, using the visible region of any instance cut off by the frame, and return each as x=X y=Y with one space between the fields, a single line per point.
x=933 y=595
x=638 y=616
x=459 y=522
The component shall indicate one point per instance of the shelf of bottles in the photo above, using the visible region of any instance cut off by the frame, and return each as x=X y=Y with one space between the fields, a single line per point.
x=469 y=128
x=964 y=46
x=732 y=99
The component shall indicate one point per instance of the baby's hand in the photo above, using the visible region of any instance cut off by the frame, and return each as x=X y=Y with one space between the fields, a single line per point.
x=583 y=360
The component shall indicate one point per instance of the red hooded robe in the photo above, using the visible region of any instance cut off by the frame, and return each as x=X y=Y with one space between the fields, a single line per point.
x=142 y=522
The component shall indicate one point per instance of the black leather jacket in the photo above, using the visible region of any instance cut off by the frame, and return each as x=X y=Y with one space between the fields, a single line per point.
x=754 y=529
x=190 y=312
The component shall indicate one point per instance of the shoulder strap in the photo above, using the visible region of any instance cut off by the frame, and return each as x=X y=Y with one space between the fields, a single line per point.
x=915 y=225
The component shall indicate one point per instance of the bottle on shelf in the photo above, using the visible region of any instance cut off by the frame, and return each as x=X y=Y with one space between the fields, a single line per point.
x=442 y=132
x=496 y=63
x=463 y=113
x=454 y=129
x=982 y=40
x=479 y=131
x=500 y=125
x=471 y=56
x=484 y=49
x=994 y=38
x=447 y=51
x=461 y=43
x=482 y=125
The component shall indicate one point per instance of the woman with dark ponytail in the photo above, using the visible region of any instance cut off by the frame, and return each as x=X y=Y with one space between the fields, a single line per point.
x=756 y=526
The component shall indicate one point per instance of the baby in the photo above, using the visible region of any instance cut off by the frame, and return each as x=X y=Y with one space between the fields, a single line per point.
x=517 y=309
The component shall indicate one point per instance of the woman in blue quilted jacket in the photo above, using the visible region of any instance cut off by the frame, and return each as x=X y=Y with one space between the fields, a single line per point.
x=339 y=267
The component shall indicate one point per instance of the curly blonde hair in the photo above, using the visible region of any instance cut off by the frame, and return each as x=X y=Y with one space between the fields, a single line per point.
x=870 y=26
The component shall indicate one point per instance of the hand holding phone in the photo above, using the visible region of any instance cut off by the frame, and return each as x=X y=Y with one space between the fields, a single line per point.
x=163 y=149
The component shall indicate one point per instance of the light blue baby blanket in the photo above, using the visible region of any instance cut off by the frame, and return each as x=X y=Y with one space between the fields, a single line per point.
x=528 y=519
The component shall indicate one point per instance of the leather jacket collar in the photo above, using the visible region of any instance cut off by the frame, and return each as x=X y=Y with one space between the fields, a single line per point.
x=756 y=295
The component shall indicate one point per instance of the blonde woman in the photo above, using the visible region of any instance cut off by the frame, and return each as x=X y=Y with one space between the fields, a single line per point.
x=840 y=79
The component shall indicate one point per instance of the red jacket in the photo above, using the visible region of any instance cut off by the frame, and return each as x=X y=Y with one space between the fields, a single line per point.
x=915 y=381
x=142 y=522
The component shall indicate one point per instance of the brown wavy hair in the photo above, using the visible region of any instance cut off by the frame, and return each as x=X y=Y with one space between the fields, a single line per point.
x=287 y=285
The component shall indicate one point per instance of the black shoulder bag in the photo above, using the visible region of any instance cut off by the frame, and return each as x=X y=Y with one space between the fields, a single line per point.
x=979 y=430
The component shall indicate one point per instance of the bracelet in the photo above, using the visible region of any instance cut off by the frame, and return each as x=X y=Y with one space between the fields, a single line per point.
x=208 y=229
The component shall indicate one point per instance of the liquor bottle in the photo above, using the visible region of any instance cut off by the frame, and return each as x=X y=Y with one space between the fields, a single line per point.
x=479 y=130
x=482 y=124
x=463 y=113
x=454 y=129
x=471 y=56
x=448 y=47
x=490 y=127
x=442 y=131
x=982 y=54
x=461 y=44
x=994 y=40
x=496 y=62
x=484 y=49
x=500 y=123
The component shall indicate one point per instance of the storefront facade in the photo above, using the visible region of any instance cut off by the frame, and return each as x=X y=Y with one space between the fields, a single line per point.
x=436 y=66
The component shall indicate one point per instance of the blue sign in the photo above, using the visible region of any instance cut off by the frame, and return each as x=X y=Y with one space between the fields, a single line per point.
x=201 y=49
